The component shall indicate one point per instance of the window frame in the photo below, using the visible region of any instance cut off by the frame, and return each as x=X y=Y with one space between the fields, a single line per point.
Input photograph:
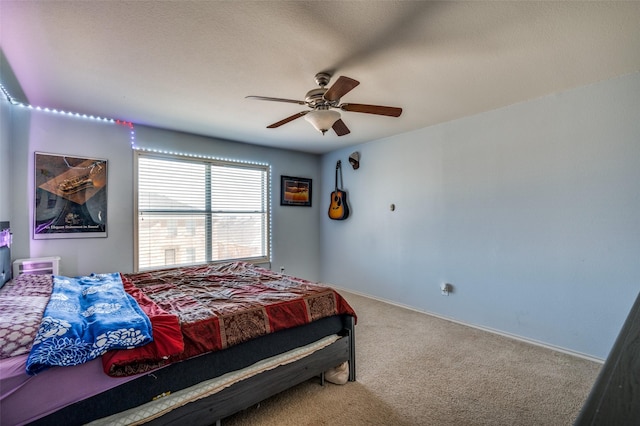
x=266 y=168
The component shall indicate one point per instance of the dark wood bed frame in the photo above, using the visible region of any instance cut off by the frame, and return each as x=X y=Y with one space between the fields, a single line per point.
x=251 y=391
x=248 y=392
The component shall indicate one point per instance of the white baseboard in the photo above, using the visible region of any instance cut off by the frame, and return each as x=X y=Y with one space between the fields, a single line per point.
x=479 y=327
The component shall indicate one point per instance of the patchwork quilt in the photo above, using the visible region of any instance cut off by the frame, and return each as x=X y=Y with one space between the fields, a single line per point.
x=86 y=317
x=226 y=304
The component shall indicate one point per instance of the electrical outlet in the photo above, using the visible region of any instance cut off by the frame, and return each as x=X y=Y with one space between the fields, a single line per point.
x=445 y=289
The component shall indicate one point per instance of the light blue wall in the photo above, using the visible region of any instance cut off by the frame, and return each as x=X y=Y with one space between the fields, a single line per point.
x=295 y=230
x=531 y=211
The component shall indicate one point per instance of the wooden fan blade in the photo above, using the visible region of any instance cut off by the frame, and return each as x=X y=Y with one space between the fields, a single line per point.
x=372 y=109
x=340 y=128
x=341 y=87
x=265 y=98
x=288 y=119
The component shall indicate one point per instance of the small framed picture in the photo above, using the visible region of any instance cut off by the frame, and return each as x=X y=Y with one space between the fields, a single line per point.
x=295 y=191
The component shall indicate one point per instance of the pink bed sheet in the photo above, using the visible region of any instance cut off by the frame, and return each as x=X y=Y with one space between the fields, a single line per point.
x=25 y=398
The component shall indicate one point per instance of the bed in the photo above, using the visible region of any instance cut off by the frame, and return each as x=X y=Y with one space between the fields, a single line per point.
x=235 y=352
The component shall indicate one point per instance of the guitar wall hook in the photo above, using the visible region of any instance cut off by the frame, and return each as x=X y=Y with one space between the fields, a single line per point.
x=338 y=209
x=354 y=160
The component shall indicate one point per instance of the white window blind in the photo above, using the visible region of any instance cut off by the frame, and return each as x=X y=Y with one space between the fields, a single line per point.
x=194 y=211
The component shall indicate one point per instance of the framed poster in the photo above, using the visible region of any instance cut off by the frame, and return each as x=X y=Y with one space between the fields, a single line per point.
x=295 y=191
x=70 y=197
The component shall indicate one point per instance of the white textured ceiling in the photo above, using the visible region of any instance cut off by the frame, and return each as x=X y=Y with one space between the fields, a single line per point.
x=188 y=65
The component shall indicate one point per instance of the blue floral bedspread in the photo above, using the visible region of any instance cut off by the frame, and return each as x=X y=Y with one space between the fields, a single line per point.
x=86 y=317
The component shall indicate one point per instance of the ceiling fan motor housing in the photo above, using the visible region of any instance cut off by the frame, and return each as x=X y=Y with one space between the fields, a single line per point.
x=315 y=97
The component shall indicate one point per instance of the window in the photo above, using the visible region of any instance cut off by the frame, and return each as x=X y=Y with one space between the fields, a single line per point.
x=198 y=211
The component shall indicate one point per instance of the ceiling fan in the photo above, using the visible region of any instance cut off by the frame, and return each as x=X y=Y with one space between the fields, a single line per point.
x=322 y=101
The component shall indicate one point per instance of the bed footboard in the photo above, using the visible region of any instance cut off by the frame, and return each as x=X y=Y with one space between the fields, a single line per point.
x=351 y=332
x=252 y=390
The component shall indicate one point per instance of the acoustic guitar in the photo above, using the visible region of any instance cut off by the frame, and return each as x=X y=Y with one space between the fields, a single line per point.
x=338 y=209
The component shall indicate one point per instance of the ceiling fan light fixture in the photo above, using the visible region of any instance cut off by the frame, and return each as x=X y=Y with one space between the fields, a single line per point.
x=322 y=119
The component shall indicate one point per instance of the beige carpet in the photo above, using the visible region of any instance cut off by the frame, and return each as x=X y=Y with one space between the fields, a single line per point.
x=415 y=369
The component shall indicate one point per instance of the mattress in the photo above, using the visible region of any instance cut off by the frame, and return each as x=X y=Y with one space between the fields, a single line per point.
x=84 y=392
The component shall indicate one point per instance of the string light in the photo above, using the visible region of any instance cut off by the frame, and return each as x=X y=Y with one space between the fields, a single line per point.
x=132 y=131
x=207 y=157
x=14 y=102
x=6 y=94
x=59 y=112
